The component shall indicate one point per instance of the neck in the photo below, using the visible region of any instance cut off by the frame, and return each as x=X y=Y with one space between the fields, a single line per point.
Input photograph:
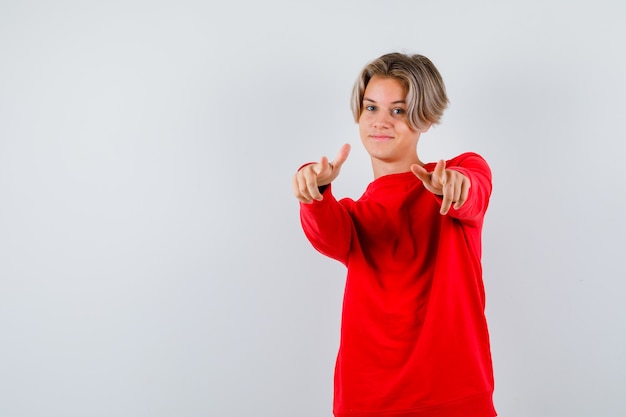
x=382 y=168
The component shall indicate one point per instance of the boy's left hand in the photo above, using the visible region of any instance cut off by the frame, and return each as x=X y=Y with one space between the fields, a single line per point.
x=451 y=185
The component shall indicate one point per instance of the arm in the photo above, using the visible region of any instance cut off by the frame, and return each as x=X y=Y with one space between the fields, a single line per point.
x=326 y=223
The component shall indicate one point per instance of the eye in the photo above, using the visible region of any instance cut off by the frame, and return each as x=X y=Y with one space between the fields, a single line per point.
x=398 y=111
x=370 y=108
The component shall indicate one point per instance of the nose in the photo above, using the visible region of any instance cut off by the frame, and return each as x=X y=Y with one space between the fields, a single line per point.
x=382 y=120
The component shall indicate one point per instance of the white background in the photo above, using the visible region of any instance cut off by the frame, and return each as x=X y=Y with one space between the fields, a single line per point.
x=151 y=257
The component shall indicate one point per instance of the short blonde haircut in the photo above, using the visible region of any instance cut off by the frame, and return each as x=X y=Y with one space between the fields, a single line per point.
x=426 y=97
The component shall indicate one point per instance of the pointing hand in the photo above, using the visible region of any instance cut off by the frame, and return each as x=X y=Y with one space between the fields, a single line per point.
x=308 y=179
x=451 y=185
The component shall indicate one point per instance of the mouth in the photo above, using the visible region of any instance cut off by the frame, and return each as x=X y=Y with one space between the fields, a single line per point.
x=381 y=138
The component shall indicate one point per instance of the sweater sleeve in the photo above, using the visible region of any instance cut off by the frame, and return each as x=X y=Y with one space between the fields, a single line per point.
x=477 y=170
x=328 y=225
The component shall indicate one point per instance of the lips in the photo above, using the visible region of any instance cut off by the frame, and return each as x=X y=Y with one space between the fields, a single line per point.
x=381 y=137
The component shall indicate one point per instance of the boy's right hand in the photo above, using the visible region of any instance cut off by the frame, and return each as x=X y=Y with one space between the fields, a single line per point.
x=309 y=178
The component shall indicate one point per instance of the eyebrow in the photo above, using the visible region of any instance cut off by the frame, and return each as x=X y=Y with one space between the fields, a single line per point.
x=393 y=102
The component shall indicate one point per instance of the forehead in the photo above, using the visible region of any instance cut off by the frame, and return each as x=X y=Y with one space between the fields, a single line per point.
x=384 y=89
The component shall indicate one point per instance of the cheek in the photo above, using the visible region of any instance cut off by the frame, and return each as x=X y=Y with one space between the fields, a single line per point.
x=362 y=131
x=405 y=128
x=362 y=124
x=366 y=120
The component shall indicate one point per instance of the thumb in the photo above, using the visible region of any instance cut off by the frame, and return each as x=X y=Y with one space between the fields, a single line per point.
x=421 y=173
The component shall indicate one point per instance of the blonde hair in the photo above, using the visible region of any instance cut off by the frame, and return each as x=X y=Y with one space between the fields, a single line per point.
x=426 y=93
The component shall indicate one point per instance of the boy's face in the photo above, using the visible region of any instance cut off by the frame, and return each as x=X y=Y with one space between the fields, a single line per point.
x=383 y=124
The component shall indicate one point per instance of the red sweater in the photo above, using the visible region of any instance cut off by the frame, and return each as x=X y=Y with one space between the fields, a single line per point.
x=414 y=339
